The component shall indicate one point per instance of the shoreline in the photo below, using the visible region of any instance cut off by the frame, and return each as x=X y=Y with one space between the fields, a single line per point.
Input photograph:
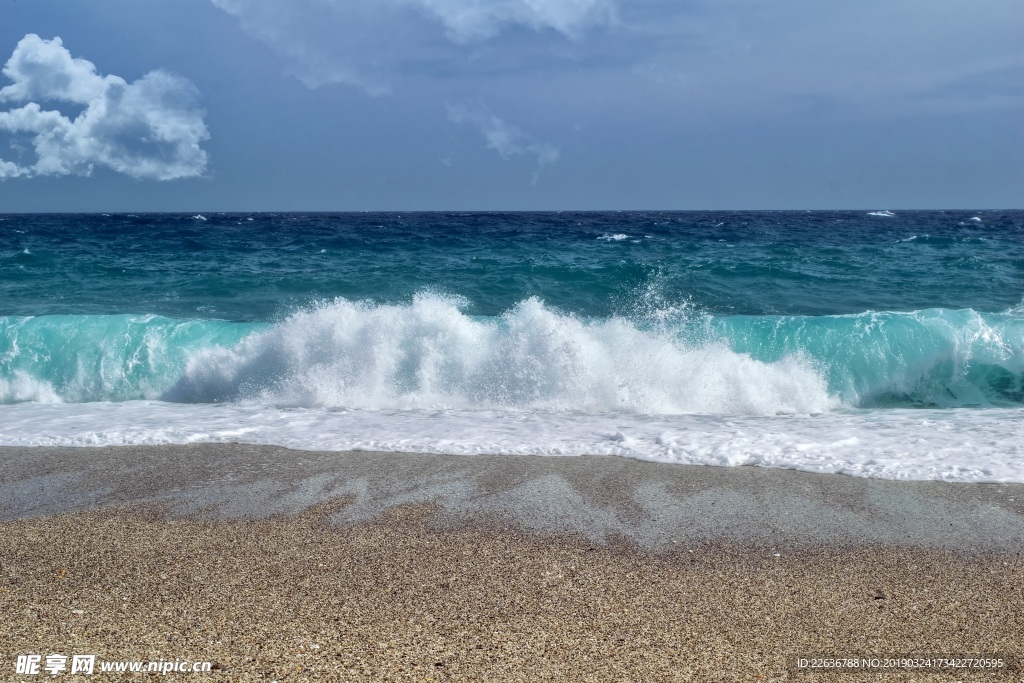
x=597 y=497
x=290 y=565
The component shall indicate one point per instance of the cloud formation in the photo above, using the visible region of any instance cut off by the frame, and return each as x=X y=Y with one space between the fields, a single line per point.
x=507 y=140
x=151 y=128
x=472 y=20
x=743 y=59
x=368 y=44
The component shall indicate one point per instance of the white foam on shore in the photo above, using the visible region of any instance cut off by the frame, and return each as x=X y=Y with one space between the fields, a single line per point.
x=952 y=445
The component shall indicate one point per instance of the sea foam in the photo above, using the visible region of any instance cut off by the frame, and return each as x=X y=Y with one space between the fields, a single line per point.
x=22 y=387
x=431 y=355
x=952 y=445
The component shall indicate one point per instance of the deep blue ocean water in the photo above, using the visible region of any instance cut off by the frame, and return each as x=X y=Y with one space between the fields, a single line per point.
x=499 y=319
x=260 y=267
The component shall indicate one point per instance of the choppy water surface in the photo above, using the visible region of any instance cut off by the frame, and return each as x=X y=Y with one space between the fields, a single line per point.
x=875 y=343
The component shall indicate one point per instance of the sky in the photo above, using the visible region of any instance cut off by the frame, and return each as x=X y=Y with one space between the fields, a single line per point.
x=338 y=105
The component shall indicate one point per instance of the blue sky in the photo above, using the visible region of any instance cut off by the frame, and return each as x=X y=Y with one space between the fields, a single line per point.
x=186 y=105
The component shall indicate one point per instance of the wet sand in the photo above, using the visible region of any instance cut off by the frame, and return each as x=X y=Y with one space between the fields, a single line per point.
x=283 y=565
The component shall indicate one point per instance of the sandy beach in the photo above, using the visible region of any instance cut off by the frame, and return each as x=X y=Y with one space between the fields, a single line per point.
x=284 y=565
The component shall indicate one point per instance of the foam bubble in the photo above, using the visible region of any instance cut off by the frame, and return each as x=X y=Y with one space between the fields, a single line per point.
x=431 y=355
x=22 y=387
x=951 y=445
x=659 y=357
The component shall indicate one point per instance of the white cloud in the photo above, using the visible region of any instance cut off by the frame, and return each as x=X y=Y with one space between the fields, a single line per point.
x=718 y=58
x=507 y=140
x=369 y=44
x=324 y=43
x=151 y=128
x=471 y=20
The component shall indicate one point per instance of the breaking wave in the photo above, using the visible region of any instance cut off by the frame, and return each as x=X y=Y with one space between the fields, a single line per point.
x=429 y=354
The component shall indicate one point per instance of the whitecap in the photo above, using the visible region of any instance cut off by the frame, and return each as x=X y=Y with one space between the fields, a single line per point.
x=199 y=217
x=884 y=214
x=617 y=237
x=431 y=355
x=22 y=387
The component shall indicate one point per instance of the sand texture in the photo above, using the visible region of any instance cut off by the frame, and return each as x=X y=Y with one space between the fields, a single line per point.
x=393 y=567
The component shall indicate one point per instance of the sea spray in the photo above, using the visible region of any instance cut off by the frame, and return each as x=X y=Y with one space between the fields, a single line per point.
x=431 y=354
x=885 y=346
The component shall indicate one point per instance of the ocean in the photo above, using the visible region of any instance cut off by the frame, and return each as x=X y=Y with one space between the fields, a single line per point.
x=871 y=343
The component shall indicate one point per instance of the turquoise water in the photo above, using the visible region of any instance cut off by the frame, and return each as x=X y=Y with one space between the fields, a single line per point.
x=917 y=309
x=930 y=358
x=870 y=343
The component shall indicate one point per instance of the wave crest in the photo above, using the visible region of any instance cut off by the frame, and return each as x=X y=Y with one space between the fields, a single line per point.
x=21 y=387
x=431 y=355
